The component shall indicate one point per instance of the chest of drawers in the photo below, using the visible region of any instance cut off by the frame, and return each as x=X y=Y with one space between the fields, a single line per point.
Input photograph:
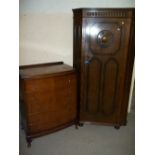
x=47 y=98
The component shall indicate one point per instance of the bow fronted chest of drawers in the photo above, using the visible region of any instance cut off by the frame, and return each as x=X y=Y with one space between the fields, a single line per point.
x=48 y=99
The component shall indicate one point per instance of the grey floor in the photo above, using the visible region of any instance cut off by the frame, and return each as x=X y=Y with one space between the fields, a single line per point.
x=88 y=140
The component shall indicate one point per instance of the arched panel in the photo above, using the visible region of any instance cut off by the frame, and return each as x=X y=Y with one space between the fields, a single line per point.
x=93 y=85
x=109 y=86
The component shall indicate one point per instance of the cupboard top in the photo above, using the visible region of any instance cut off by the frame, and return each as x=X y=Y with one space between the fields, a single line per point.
x=44 y=70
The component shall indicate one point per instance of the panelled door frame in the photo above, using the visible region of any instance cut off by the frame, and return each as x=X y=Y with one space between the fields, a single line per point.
x=123 y=25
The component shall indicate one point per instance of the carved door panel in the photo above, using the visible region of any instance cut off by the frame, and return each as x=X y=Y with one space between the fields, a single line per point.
x=103 y=68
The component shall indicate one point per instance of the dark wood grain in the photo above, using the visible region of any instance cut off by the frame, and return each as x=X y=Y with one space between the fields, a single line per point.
x=103 y=57
x=48 y=103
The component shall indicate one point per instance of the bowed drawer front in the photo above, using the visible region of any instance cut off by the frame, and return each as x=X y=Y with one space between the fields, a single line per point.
x=48 y=98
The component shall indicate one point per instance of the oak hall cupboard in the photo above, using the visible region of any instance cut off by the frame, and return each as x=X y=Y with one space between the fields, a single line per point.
x=103 y=49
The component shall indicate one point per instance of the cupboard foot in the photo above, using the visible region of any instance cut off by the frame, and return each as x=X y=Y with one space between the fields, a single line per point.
x=117 y=127
x=80 y=124
x=76 y=126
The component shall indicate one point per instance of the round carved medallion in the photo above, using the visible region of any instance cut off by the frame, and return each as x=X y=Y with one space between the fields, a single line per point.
x=104 y=38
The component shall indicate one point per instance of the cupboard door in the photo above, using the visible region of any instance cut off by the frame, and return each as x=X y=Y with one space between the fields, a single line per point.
x=51 y=102
x=105 y=51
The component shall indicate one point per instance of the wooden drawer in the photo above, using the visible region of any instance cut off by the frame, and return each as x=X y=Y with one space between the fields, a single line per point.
x=46 y=121
x=60 y=96
x=50 y=100
x=38 y=85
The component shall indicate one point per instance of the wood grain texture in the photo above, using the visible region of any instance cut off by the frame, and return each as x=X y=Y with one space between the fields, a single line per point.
x=103 y=57
x=48 y=103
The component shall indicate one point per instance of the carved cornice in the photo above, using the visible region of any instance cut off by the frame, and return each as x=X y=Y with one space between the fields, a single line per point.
x=106 y=14
x=109 y=13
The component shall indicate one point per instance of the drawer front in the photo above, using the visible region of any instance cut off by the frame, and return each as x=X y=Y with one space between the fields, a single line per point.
x=50 y=102
x=49 y=120
x=38 y=85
